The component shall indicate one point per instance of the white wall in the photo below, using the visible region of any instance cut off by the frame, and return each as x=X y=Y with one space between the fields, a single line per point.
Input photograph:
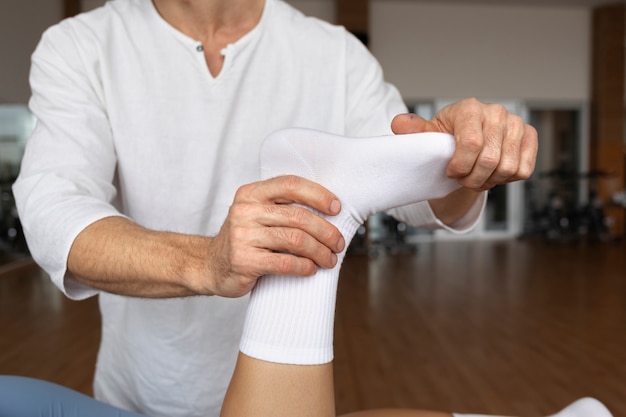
x=450 y=51
x=427 y=49
x=431 y=50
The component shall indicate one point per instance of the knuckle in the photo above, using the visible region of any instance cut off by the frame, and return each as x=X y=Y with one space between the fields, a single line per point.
x=508 y=168
x=489 y=160
x=498 y=112
x=240 y=212
x=530 y=131
x=291 y=182
x=294 y=238
x=302 y=266
x=456 y=170
x=244 y=191
x=488 y=185
x=284 y=264
x=236 y=209
x=309 y=268
x=470 y=183
x=493 y=135
x=525 y=171
x=237 y=234
x=473 y=141
x=246 y=281
x=299 y=215
x=516 y=123
x=272 y=210
x=332 y=235
x=473 y=105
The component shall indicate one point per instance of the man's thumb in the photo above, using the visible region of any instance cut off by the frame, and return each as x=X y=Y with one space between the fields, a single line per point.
x=412 y=123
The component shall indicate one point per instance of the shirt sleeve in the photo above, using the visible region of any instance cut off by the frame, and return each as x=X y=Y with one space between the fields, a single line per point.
x=371 y=102
x=421 y=216
x=66 y=177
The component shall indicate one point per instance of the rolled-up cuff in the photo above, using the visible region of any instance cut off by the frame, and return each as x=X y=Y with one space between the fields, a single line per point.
x=421 y=215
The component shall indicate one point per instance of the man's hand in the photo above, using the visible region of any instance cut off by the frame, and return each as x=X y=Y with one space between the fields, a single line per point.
x=262 y=234
x=265 y=233
x=493 y=146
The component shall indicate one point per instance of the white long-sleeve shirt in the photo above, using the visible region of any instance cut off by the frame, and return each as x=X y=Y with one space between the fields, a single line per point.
x=131 y=123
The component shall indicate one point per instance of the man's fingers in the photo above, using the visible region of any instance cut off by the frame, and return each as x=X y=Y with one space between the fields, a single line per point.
x=275 y=217
x=300 y=218
x=292 y=189
x=470 y=161
x=519 y=153
x=300 y=244
x=498 y=158
x=288 y=217
x=286 y=264
x=493 y=146
x=249 y=243
x=466 y=124
x=248 y=265
x=528 y=151
x=509 y=165
x=278 y=240
x=268 y=231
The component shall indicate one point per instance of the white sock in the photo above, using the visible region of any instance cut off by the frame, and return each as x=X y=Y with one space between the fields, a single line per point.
x=584 y=407
x=290 y=319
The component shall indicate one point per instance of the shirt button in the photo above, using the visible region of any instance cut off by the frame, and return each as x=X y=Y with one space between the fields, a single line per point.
x=199 y=48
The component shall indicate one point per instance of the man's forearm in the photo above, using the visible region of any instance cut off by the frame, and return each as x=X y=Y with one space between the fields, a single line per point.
x=452 y=207
x=118 y=256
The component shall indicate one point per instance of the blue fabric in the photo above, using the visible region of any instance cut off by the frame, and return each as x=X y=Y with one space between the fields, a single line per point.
x=28 y=397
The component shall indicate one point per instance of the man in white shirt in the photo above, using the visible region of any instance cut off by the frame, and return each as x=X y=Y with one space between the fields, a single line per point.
x=141 y=180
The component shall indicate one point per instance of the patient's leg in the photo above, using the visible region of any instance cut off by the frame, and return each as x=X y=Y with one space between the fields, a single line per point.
x=290 y=319
x=268 y=389
x=28 y=397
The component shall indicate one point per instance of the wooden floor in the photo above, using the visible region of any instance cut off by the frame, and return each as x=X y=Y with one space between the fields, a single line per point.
x=501 y=327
